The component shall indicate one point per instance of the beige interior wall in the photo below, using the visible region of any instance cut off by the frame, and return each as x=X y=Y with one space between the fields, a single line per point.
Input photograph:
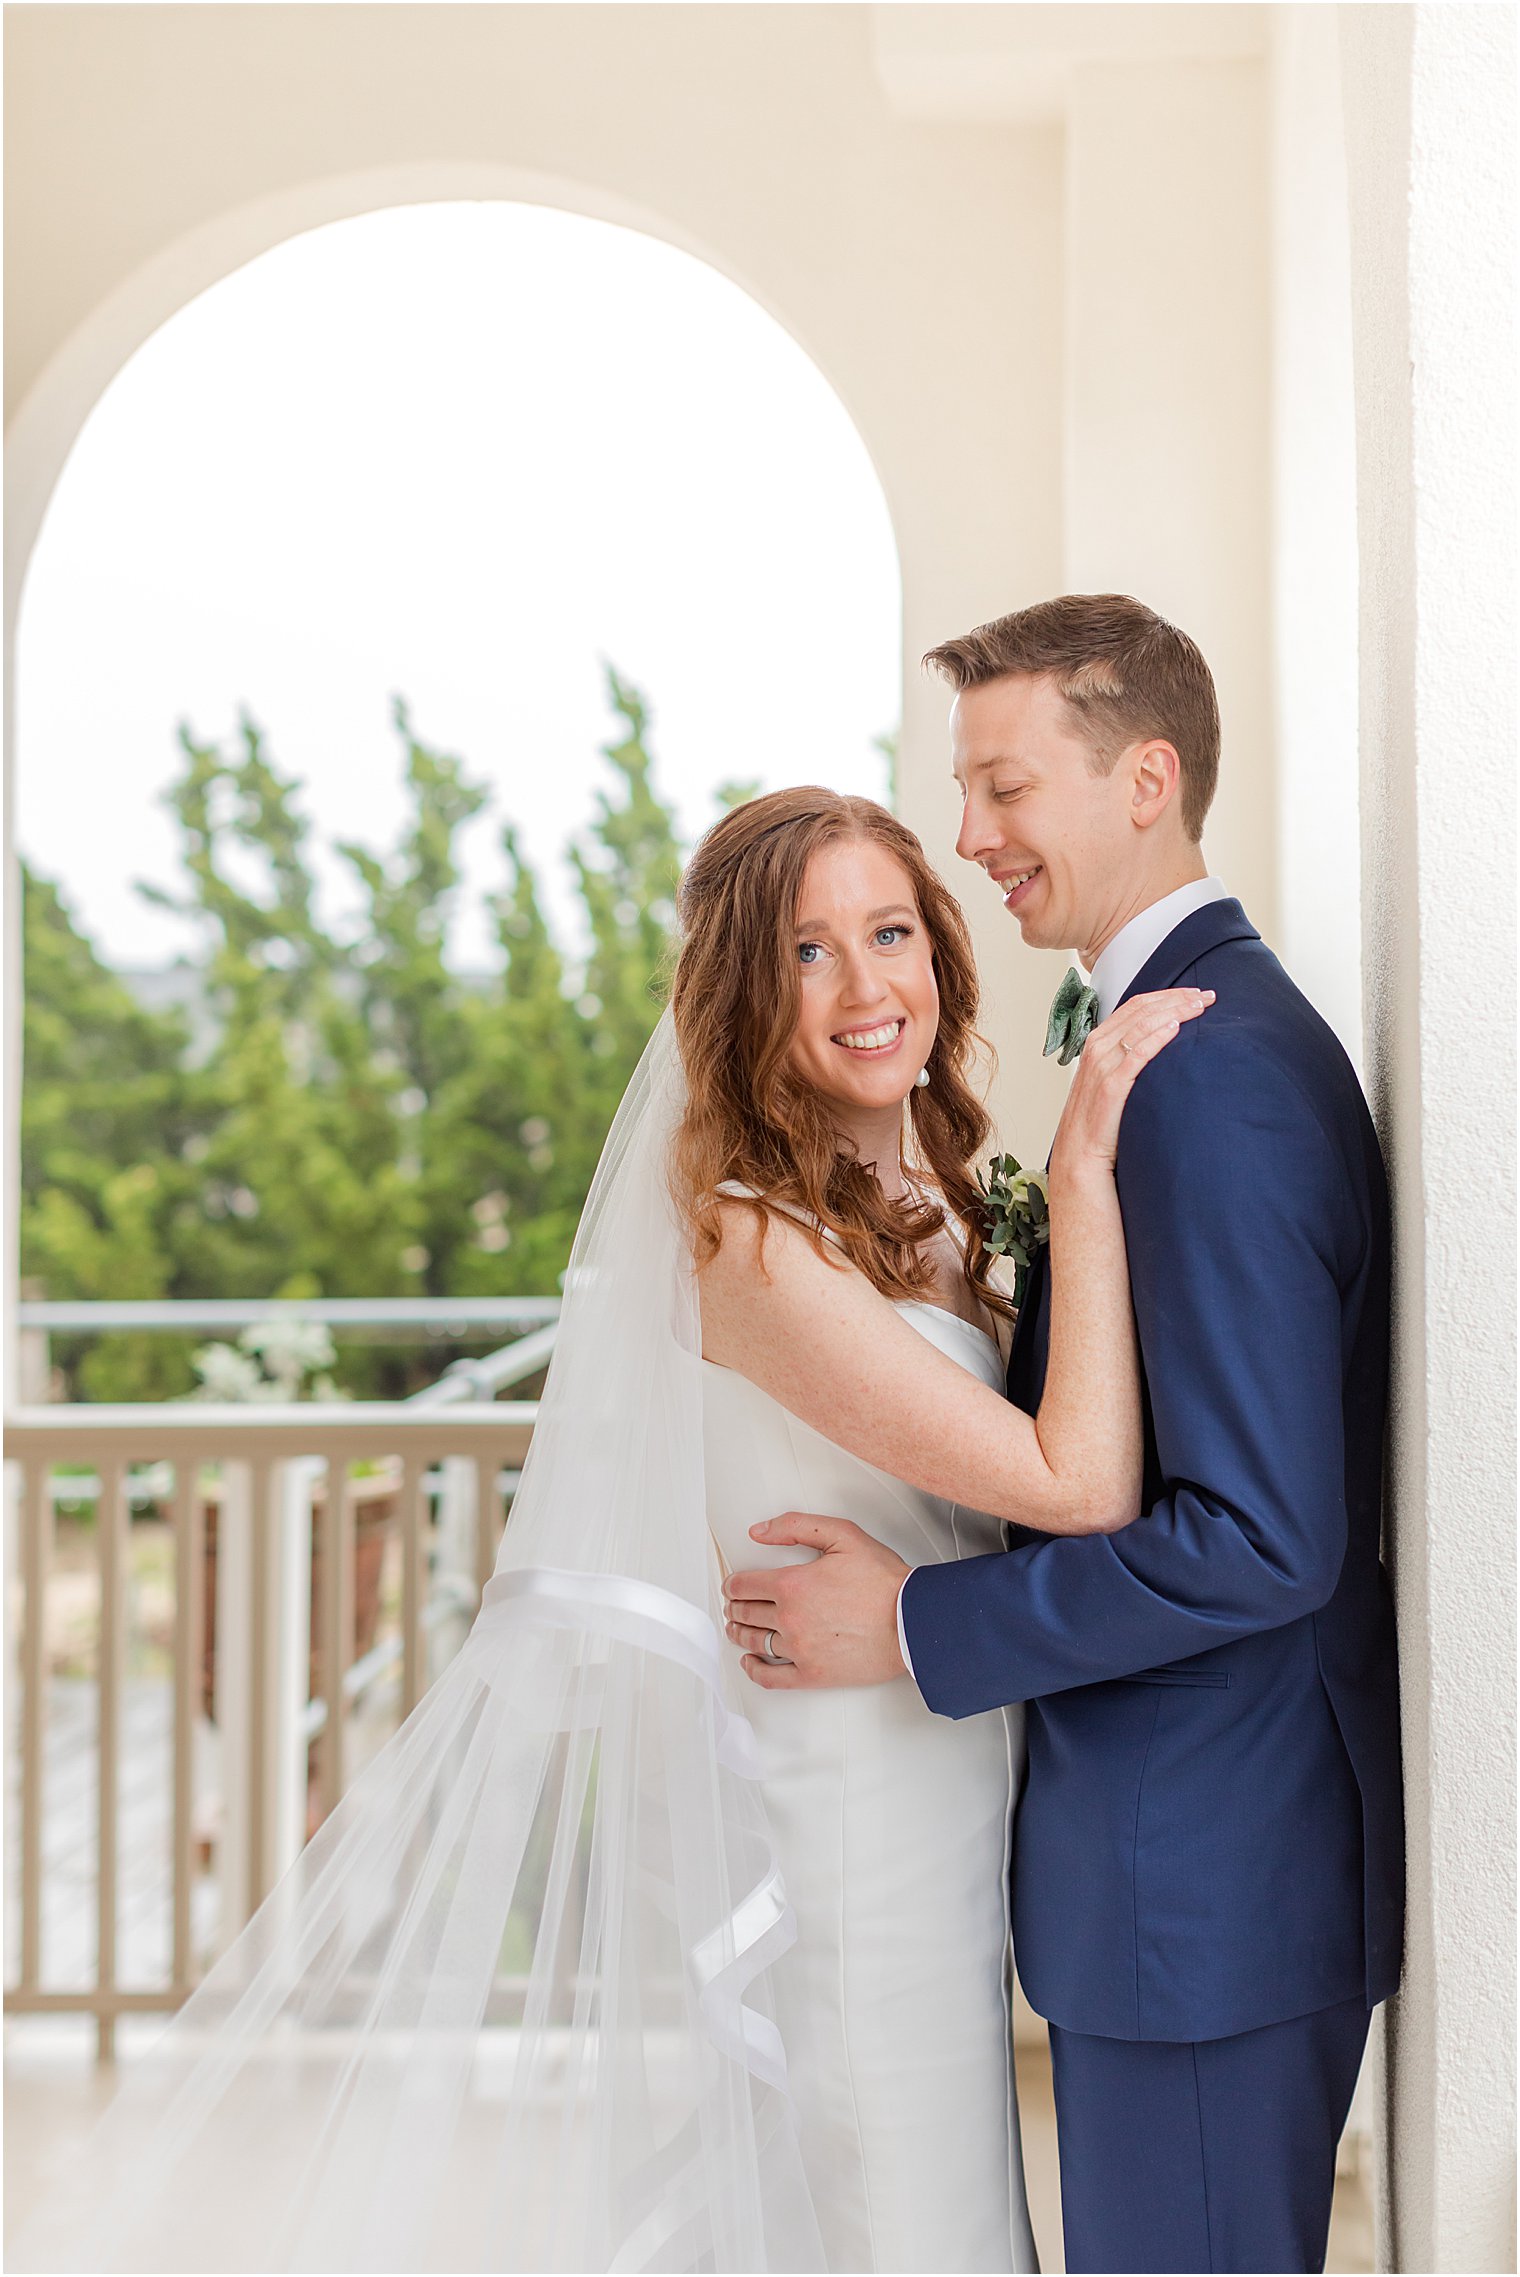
x=1167 y=443
x=1313 y=548
x=1163 y=362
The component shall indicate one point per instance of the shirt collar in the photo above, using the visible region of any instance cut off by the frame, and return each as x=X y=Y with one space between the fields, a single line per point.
x=1137 y=942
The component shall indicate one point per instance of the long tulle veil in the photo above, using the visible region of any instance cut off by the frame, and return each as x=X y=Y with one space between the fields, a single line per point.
x=509 y=2011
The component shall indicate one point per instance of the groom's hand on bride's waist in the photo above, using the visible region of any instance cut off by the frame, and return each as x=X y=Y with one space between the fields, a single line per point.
x=829 y=1622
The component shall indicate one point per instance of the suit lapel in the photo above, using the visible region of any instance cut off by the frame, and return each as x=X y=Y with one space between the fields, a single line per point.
x=1205 y=929
x=1021 y=1353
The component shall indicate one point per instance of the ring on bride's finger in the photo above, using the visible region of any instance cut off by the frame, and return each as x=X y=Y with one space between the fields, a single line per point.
x=768 y=1651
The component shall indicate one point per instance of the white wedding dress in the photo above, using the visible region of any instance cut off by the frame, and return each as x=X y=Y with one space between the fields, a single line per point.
x=610 y=1960
x=892 y=1830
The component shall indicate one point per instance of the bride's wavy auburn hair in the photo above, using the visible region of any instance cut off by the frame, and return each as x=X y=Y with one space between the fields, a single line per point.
x=750 y=1119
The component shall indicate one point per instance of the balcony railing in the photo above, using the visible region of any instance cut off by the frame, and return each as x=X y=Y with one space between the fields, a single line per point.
x=271 y=1494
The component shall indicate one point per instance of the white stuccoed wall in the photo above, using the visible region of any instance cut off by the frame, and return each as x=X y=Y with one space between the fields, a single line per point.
x=1430 y=147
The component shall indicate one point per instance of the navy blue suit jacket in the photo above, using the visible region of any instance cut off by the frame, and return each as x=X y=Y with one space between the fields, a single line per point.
x=1211 y=1836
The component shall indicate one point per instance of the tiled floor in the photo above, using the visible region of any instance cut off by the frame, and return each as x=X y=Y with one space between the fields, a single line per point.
x=54 y=2091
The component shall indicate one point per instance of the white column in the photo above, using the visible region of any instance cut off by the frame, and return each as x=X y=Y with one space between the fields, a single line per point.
x=1167 y=430
x=1430 y=153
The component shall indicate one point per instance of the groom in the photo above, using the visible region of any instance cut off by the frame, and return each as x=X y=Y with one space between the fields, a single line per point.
x=1208 y=1852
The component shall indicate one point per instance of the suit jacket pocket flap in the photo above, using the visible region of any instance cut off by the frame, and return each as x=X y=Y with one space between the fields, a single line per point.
x=1216 y=1678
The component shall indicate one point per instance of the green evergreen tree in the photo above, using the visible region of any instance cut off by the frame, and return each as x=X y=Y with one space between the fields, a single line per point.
x=368 y=1122
x=302 y=1189
x=628 y=872
x=108 y=1114
x=551 y=1050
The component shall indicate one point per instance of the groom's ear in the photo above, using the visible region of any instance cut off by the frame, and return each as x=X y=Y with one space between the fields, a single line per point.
x=1155 y=773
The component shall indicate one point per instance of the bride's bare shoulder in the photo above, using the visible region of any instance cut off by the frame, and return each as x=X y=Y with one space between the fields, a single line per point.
x=759 y=1235
x=766 y=1283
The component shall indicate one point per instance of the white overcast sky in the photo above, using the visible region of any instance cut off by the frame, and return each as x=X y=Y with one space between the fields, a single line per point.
x=458 y=453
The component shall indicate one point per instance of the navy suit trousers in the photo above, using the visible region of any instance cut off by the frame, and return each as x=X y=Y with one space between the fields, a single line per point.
x=1184 y=2155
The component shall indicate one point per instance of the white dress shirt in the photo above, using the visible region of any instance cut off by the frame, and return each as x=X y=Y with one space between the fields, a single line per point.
x=1114 y=969
x=1133 y=946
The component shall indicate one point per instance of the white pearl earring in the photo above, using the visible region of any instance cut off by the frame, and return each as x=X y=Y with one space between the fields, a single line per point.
x=921 y=1080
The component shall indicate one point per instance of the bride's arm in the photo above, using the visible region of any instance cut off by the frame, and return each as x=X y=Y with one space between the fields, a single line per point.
x=820 y=1339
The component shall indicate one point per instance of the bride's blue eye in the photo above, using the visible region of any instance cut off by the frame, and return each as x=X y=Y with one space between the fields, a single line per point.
x=904 y=930
x=803 y=948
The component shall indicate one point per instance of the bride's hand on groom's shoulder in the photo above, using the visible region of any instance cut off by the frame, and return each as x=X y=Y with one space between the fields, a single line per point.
x=1087 y=1139
x=832 y=1621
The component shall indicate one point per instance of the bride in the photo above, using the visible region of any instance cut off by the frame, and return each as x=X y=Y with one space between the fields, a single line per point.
x=610 y=1961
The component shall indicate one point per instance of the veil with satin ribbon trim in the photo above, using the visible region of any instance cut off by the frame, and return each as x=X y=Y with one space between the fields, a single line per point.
x=508 y=2011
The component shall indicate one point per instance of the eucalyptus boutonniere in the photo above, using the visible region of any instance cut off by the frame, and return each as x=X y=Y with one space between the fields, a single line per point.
x=1018 y=1215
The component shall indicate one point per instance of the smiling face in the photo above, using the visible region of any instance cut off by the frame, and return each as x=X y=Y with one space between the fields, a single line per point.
x=1058 y=839
x=869 y=1004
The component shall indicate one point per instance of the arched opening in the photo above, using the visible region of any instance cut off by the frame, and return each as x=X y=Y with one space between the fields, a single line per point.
x=467 y=455
x=484 y=461
x=453 y=452
x=56 y=412
x=43 y=430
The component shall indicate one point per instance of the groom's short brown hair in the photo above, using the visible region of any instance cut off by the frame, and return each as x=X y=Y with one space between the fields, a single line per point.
x=1125 y=673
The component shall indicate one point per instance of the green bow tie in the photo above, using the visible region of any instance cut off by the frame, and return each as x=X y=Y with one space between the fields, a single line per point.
x=1073 y=1016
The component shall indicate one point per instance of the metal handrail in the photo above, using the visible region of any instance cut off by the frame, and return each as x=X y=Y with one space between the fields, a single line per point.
x=458 y=1315
x=482 y=1379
